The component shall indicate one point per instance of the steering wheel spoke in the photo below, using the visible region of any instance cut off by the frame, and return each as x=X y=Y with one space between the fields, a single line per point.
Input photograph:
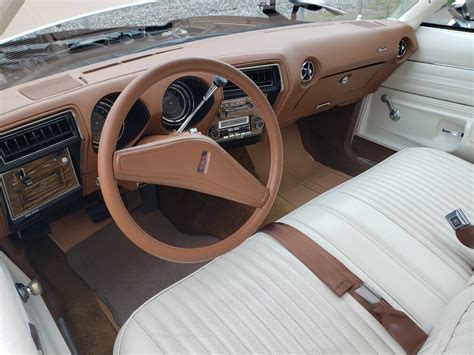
x=186 y=160
x=190 y=161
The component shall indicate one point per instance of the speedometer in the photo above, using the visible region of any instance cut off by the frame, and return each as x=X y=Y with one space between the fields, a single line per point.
x=178 y=103
x=99 y=115
x=132 y=126
x=181 y=98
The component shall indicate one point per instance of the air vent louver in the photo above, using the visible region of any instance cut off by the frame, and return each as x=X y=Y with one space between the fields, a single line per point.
x=34 y=138
x=402 y=49
x=307 y=71
x=262 y=76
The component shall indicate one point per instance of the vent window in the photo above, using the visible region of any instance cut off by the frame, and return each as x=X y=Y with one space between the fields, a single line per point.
x=26 y=141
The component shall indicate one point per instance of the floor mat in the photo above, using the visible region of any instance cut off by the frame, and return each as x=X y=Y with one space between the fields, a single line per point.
x=303 y=177
x=123 y=275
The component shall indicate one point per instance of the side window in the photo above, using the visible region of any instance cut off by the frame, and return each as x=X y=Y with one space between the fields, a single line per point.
x=456 y=15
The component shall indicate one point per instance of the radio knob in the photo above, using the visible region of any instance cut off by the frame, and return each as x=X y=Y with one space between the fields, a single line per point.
x=259 y=123
x=64 y=160
x=214 y=133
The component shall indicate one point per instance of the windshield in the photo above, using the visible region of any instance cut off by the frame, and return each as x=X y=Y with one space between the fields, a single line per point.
x=127 y=30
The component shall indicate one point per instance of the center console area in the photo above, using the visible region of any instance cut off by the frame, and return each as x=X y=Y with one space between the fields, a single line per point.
x=238 y=121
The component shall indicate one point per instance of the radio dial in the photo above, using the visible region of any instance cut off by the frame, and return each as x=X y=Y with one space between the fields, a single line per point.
x=214 y=133
x=259 y=123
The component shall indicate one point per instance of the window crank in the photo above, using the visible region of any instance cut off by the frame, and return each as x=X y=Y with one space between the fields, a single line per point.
x=394 y=112
x=33 y=289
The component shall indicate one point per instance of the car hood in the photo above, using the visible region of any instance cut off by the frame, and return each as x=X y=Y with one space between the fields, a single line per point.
x=19 y=17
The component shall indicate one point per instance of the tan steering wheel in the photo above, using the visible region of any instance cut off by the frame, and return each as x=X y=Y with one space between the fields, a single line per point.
x=186 y=160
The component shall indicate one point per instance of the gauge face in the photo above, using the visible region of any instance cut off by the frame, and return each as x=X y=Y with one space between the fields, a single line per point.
x=99 y=115
x=178 y=103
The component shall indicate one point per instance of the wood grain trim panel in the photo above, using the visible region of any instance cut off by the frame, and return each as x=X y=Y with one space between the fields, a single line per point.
x=50 y=179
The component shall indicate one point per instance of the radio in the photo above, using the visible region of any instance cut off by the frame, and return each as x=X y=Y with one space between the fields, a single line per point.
x=237 y=119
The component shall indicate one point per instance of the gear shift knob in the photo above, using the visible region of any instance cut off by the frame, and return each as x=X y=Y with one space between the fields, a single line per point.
x=219 y=81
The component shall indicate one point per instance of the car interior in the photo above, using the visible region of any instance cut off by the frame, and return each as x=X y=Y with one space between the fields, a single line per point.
x=292 y=187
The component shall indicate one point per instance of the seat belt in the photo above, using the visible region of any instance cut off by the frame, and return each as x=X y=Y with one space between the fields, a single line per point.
x=462 y=227
x=341 y=280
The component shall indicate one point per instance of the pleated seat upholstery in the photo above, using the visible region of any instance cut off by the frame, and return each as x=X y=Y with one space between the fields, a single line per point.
x=386 y=225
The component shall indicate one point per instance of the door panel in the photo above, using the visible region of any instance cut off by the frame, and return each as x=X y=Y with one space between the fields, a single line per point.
x=18 y=319
x=434 y=92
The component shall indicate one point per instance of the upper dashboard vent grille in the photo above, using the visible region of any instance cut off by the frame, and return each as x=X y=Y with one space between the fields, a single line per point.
x=34 y=138
x=262 y=76
x=266 y=77
x=307 y=71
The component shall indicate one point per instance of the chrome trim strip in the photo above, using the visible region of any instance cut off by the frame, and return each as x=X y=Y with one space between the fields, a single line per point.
x=441 y=65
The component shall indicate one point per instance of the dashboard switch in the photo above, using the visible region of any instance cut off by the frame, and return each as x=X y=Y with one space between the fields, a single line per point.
x=24 y=177
x=259 y=123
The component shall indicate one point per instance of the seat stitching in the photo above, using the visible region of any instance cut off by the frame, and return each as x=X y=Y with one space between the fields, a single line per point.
x=203 y=302
x=275 y=284
x=175 y=315
x=335 y=247
x=239 y=280
x=155 y=318
x=148 y=335
x=383 y=248
x=328 y=301
x=419 y=237
x=310 y=301
x=196 y=316
x=209 y=289
x=322 y=313
x=453 y=328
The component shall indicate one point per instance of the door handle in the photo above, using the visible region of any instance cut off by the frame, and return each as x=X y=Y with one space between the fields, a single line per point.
x=453 y=133
x=394 y=112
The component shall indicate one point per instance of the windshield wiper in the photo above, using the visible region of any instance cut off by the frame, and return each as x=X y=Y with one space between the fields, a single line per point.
x=124 y=35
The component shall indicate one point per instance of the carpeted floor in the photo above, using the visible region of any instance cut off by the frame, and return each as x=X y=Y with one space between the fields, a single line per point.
x=121 y=274
x=90 y=329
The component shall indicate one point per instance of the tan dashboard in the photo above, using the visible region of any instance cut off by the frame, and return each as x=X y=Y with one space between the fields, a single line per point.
x=348 y=60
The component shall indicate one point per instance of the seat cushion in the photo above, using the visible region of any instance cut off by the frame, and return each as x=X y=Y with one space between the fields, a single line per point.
x=256 y=299
x=454 y=331
x=388 y=226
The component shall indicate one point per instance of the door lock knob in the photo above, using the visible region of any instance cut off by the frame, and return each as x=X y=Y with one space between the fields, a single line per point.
x=395 y=114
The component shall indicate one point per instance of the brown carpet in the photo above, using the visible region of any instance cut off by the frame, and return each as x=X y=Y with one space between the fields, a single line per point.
x=121 y=274
x=91 y=331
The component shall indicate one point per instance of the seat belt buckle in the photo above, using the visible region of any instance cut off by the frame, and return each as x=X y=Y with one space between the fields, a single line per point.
x=458 y=220
x=369 y=295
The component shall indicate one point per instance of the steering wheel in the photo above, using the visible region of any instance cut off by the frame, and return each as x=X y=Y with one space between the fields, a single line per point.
x=187 y=160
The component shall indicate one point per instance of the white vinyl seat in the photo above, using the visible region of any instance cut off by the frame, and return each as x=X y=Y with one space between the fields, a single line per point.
x=387 y=226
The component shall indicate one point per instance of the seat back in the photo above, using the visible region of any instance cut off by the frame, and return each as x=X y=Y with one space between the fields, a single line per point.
x=454 y=331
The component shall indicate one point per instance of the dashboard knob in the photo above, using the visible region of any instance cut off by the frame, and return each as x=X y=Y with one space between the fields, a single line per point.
x=64 y=160
x=259 y=123
x=214 y=132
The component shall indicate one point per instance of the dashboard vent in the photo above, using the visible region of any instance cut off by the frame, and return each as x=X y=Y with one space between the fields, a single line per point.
x=402 y=49
x=307 y=71
x=266 y=77
x=35 y=138
x=262 y=76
